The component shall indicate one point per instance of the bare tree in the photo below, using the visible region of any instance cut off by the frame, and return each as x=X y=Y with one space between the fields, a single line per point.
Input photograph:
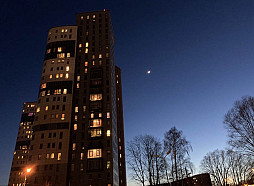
x=179 y=148
x=239 y=122
x=135 y=160
x=144 y=166
x=228 y=167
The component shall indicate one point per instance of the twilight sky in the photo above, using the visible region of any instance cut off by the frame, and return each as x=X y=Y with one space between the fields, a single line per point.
x=200 y=54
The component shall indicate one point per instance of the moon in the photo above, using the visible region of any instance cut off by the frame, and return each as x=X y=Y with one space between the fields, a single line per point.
x=149 y=72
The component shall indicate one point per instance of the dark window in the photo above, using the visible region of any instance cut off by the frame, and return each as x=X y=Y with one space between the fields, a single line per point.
x=60 y=145
x=42 y=135
x=64 y=99
x=50 y=135
x=47 y=99
x=61 y=135
x=41 y=145
x=53 y=145
x=54 y=134
x=48 y=145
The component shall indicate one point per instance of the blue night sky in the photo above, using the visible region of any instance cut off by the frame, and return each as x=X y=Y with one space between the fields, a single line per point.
x=200 y=54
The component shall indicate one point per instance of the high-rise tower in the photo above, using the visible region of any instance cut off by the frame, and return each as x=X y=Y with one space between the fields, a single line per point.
x=76 y=131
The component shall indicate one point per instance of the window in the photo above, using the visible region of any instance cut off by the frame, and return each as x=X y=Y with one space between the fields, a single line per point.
x=47 y=156
x=38 y=109
x=59 y=156
x=86 y=63
x=63 y=117
x=80 y=45
x=77 y=85
x=100 y=115
x=47 y=107
x=94 y=132
x=95 y=97
x=75 y=127
x=81 y=156
x=84 y=108
x=108 y=132
x=57 y=76
x=74 y=146
x=65 y=91
x=108 y=164
x=94 y=153
x=52 y=156
x=92 y=115
x=43 y=85
x=95 y=123
x=86 y=50
x=85 y=70
x=39 y=156
x=67 y=68
x=100 y=56
x=78 y=78
x=50 y=76
x=66 y=76
x=108 y=114
x=76 y=109
x=87 y=44
x=61 y=55
x=59 y=49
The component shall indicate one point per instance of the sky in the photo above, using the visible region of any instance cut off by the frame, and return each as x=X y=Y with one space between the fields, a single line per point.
x=200 y=54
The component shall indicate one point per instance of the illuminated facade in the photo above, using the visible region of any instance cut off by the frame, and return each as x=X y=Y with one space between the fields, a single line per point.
x=77 y=133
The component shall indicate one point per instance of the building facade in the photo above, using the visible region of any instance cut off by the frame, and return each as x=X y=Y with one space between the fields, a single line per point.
x=77 y=133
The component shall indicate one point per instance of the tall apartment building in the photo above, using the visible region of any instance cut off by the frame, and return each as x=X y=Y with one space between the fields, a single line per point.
x=74 y=134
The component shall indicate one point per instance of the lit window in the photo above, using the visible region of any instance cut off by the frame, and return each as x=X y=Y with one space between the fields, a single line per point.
x=59 y=156
x=81 y=17
x=76 y=118
x=59 y=49
x=66 y=30
x=93 y=63
x=100 y=115
x=50 y=76
x=87 y=44
x=43 y=85
x=68 y=54
x=80 y=45
x=77 y=85
x=61 y=75
x=52 y=61
x=78 y=78
x=74 y=146
x=48 y=51
x=94 y=16
x=86 y=63
x=63 y=117
x=43 y=93
x=81 y=167
x=61 y=55
x=81 y=156
x=47 y=156
x=93 y=56
x=120 y=155
x=65 y=91
x=52 y=156
x=95 y=97
x=57 y=91
x=84 y=108
x=108 y=114
x=67 y=68
x=107 y=54
x=94 y=132
x=95 y=123
x=87 y=17
x=38 y=109
x=75 y=127
x=76 y=109
x=108 y=132
x=120 y=147
x=66 y=75
x=86 y=50
x=56 y=115
x=85 y=70
x=108 y=164
x=92 y=115
x=100 y=55
x=94 y=153
x=57 y=76
x=62 y=30
x=47 y=107
x=100 y=62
